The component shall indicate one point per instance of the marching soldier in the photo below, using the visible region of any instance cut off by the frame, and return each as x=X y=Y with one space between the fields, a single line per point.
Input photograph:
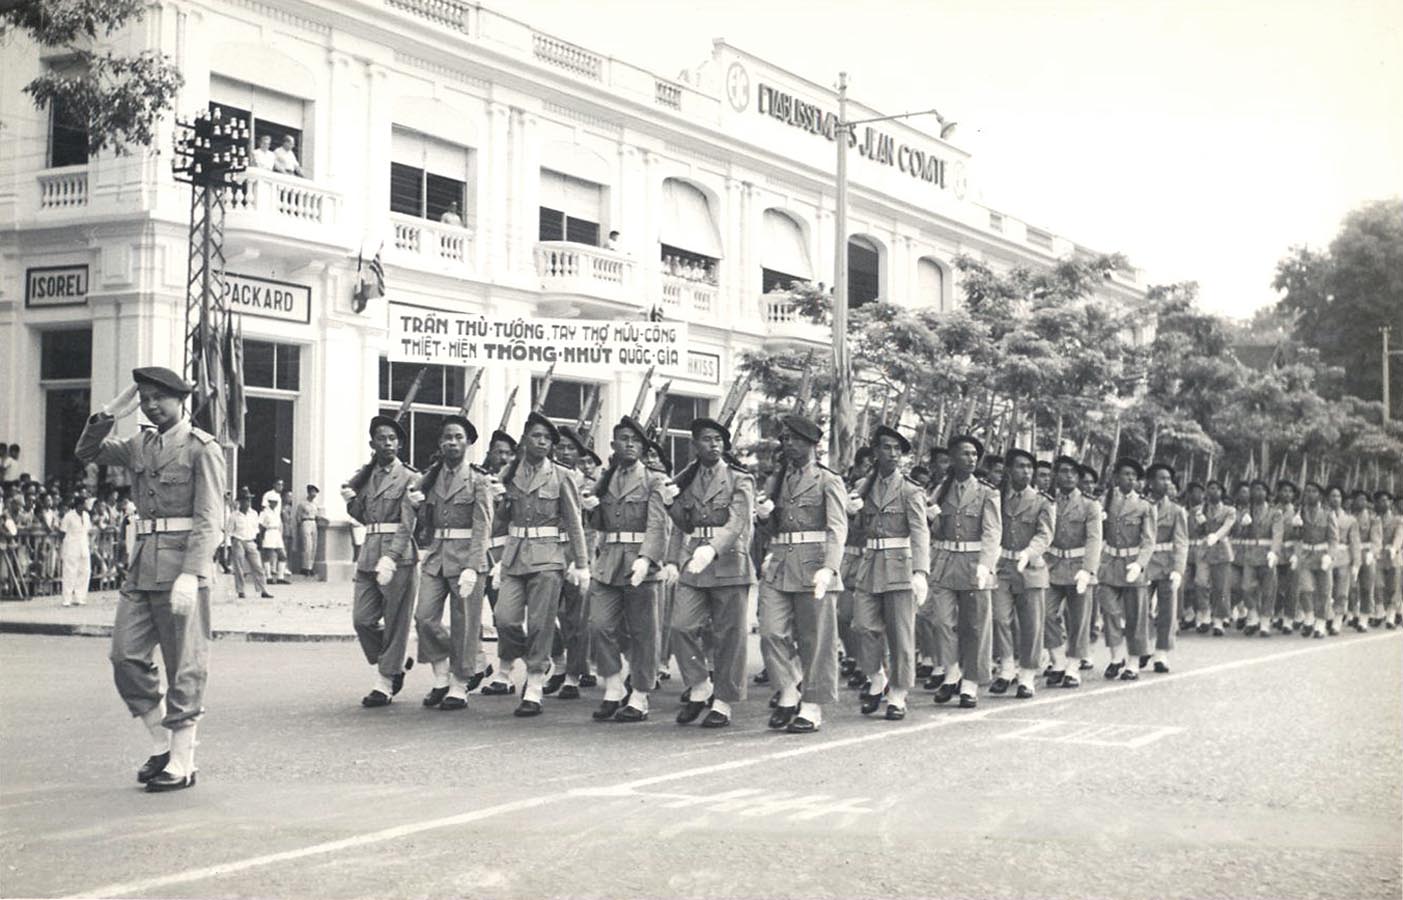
x=386 y=575
x=1189 y=616
x=542 y=513
x=964 y=551
x=1211 y=526
x=631 y=518
x=1239 y=538
x=454 y=519
x=501 y=450
x=1285 y=510
x=709 y=556
x=807 y=518
x=1021 y=593
x=1390 y=559
x=1042 y=476
x=1318 y=533
x=1165 y=573
x=848 y=640
x=1073 y=560
x=570 y=656
x=890 y=580
x=177 y=474
x=1129 y=543
x=1361 y=597
x=1260 y=533
x=1347 y=553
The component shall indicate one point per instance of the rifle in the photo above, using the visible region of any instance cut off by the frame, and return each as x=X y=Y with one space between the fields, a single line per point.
x=806 y=385
x=470 y=394
x=426 y=484
x=507 y=411
x=584 y=427
x=546 y=380
x=734 y=397
x=642 y=394
x=651 y=426
x=359 y=480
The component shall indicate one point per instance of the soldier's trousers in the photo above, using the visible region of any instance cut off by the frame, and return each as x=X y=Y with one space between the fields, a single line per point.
x=1386 y=599
x=460 y=641
x=1125 y=610
x=886 y=621
x=572 y=640
x=623 y=620
x=246 y=564
x=1314 y=593
x=1213 y=594
x=1068 y=622
x=1028 y=609
x=1286 y=590
x=382 y=616
x=1165 y=602
x=1341 y=583
x=1189 y=591
x=847 y=636
x=307 y=531
x=1361 y=595
x=789 y=618
x=525 y=615
x=667 y=603
x=144 y=621
x=711 y=623
x=1259 y=589
x=963 y=627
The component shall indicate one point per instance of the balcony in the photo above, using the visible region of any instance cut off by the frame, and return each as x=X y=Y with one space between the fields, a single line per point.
x=63 y=189
x=786 y=329
x=423 y=244
x=273 y=208
x=580 y=272
x=688 y=299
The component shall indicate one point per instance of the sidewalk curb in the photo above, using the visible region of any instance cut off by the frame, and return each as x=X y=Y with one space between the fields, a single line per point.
x=61 y=629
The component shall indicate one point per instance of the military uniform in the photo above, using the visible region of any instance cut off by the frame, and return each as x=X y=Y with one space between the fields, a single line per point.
x=570 y=651
x=382 y=615
x=1261 y=531
x=1347 y=552
x=1390 y=564
x=1318 y=532
x=848 y=638
x=1029 y=518
x=1210 y=528
x=964 y=536
x=1170 y=556
x=1129 y=540
x=1286 y=578
x=1361 y=596
x=1076 y=547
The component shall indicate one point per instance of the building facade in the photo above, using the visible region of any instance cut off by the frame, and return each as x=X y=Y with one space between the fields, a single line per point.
x=488 y=162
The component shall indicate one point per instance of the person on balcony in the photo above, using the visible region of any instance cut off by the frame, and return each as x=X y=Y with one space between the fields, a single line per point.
x=613 y=242
x=285 y=158
x=452 y=216
x=263 y=156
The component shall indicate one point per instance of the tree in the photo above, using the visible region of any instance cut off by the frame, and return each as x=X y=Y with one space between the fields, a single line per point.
x=118 y=98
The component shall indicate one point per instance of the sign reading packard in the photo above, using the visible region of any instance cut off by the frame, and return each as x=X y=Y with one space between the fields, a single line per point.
x=250 y=295
x=421 y=334
x=56 y=286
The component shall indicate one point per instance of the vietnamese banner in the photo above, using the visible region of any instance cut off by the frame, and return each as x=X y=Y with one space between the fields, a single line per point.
x=422 y=334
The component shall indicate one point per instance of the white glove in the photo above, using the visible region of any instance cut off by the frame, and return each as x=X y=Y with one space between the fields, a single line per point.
x=854 y=503
x=495 y=488
x=763 y=507
x=669 y=492
x=1200 y=518
x=765 y=564
x=983 y=577
x=1245 y=520
x=638 y=571
x=1022 y=562
x=183 y=593
x=1133 y=572
x=384 y=570
x=822 y=579
x=1297 y=520
x=920 y=587
x=1211 y=539
x=496 y=573
x=415 y=496
x=702 y=557
x=1368 y=557
x=668 y=574
x=932 y=511
x=1294 y=560
x=1326 y=563
x=347 y=494
x=579 y=576
x=1271 y=558
x=589 y=502
x=123 y=403
x=1175 y=579
x=467 y=580
x=1083 y=581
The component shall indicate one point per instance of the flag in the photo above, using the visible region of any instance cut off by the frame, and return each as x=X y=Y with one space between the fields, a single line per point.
x=234 y=407
x=370 y=281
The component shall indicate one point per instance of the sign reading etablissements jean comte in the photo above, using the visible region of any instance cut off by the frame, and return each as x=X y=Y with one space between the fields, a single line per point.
x=250 y=295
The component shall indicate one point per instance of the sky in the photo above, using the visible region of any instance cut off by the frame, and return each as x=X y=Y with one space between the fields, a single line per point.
x=1201 y=139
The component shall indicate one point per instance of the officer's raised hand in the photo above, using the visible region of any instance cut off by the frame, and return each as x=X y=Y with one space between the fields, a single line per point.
x=123 y=403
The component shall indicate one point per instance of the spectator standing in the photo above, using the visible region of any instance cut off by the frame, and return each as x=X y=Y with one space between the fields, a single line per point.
x=309 y=511
x=273 y=493
x=271 y=521
x=263 y=157
x=452 y=215
x=11 y=466
x=285 y=157
x=243 y=548
x=290 y=537
x=76 y=526
x=613 y=242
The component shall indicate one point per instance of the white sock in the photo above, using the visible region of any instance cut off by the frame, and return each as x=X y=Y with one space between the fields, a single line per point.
x=440 y=667
x=953 y=674
x=572 y=680
x=182 y=761
x=879 y=682
x=897 y=697
x=811 y=711
x=534 y=683
x=701 y=692
x=614 y=687
x=457 y=687
x=969 y=687
x=1118 y=653
x=638 y=700
x=937 y=672
x=502 y=671
x=789 y=696
x=1059 y=664
x=721 y=706
x=1008 y=668
x=160 y=735
x=1028 y=678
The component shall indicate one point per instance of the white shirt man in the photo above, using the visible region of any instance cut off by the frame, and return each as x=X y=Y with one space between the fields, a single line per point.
x=263 y=156
x=285 y=158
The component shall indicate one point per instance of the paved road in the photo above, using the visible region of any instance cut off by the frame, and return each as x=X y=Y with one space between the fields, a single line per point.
x=1259 y=769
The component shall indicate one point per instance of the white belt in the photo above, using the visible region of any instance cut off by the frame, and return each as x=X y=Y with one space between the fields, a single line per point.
x=1315 y=548
x=1067 y=553
x=624 y=537
x=1196 y=542
x=1163 y=548
x=801 y=537
x=382 y=528
x=453 y=534
x=1011 y=555
x=162 y=526
x=1122 y=552
x=703 y=532
x=959 y=546
x=1253 y=542
x=540 y=531
x=888 y=543
x=498 y=541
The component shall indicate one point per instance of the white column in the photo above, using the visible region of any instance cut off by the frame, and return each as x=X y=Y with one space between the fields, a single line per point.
x=735 y=285
x=499 y=192
x=374 y=216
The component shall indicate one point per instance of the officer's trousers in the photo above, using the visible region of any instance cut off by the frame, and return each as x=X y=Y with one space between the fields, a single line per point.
x=460 y=641
x=623 y=620
x=1028 y=608
x=789 y=618
x=1125 y=610
x=144 y=620
x=884 y=622
x=1340 y=585
x=1164 y=601
x=1314 y=593
x=525 y=615
x=1063 y=599
x=963 y=630
x=307 y=532
x=667 y=603
x=382 y=616
x=710 y=623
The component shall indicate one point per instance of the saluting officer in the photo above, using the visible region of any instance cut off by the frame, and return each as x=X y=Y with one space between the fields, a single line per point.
x=1029 y=518
x=1073 y=560
x=177 y=475
x=710 y=545
x=1314 y=568
x=1260 y=532
x=1129 y=543
x=542 y=511
x=1165 y=573
x=892 y=575
x=386 y=574
x=632 y=523
x=807 y=518
x=454 y=519
x=964 y=551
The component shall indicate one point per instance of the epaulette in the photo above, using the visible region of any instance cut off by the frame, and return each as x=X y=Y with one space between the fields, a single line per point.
x=985 y=481
x=204 y=437
x=411 y=468
x=1048 y=497
x=478 y=469
x=828 y=470
x=660 y=470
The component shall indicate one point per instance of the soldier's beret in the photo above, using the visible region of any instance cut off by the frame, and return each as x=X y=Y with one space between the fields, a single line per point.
x=1317 y=485
x=802 y=427
x=1212 y=482
x=1256 y=481
x=573 y=437
x=1357 y=493
x=468 y=427
x=1042 y=464
x=662 y=454
x=976 y=443
x=936 y=451
x=884 y=431
x=386 y=422
x=1126 y=462
x=1065 y=460
x=918 y=471
x=1087 y=472
x=1019 y=453
x=1195 y=484
x=1382 y=495
x=505 y=438
x=706 y=424
x=536 y=418
x=863 y=454
x=593 y=457
x=1159 y=466
x=1286 y=483
x=163 y=378
x=632 y=424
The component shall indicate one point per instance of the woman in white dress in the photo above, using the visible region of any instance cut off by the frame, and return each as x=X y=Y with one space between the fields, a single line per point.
x=76 y=526
x=271 y=521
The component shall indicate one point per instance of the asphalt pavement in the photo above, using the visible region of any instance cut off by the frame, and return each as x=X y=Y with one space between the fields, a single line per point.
x=1260 y=768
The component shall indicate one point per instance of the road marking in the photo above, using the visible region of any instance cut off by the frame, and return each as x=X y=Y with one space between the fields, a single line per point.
x=944 y=718
x=1089 y=734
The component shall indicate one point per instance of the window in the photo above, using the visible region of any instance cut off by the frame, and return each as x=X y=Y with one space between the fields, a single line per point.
x=784 y=255
x=996 y=222
x=687 y=220
x=930 y=283
x=269 y=113
x=679 y=412
x=270 y=365
x=571 y=209
x=1039 y=238
x=864 y=271
x=772 y=281
x=68 y=136
x=65 y=355
x=565 y=402
x=440 y=395
x=429 y=176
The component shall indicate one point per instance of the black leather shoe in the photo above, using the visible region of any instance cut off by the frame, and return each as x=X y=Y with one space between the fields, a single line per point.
x=453 y=704
x=475 y=680
x=870 y=702
x=924 y=671
x=374 y=699
x=153 y=766
x=857 y=679
x=1094 y=633
x=1162 y=668
x=716 y=719
x=1054 y=678
x=1331 y=629
x=1071 y=681
x=1241 y=623
x=1204 y=628
x=801 y=725
x=690 y=711
x=1024 y=692
x=663 y=675
x=435 y=696
x=267 y=596
x=526 y=709
x=946 y=691
x=1086 y=665
x=606 y=710
x=774 y=700
x=933 y=682
x=588 y=681
x=397 y=682
x=1218 y=631
x=895 y=713
x=1250 y=630
x=1144 y=661
x=968 y=701
x=498 y=689
x=1000 y=686
x=1129 y=675
x=553 y=684
x=1113 y=670
x=568 y=692
x=165 y=781
x=782 y=716
x=761 y=677
x=685 y=697
x=848 y=666
x=630 y=714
